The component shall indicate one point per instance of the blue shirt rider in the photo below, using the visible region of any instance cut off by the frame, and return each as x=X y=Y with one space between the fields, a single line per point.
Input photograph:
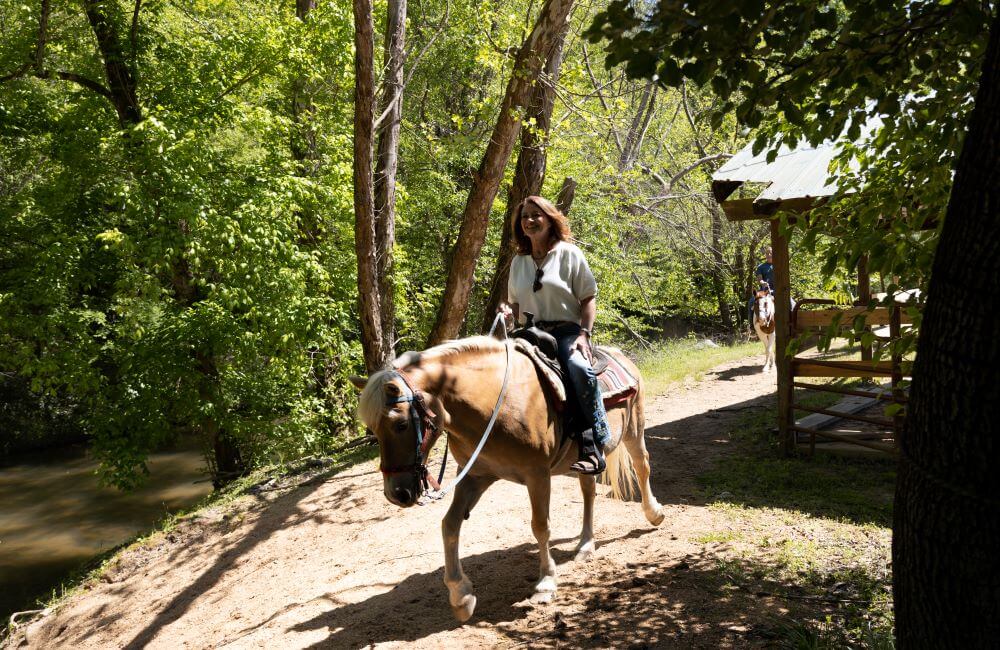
x=764 y=273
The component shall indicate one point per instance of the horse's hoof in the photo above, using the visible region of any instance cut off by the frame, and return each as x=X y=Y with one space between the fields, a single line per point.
x=543 y=597
x=545 y=591
x=584 y=553
x=657 y=517
x=465 y=608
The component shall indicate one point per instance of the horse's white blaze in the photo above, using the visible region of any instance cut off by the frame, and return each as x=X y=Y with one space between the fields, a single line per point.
x=763 y=324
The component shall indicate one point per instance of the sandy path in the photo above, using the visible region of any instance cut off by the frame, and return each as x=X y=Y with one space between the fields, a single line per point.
x=333 y=564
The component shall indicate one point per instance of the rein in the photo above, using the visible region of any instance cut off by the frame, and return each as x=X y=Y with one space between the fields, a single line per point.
x=423 y=418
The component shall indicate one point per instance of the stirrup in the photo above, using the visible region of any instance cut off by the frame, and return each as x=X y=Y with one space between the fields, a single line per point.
x=592 y=463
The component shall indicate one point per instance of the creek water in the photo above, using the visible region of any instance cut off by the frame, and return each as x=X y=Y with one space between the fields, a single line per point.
x=54 y=514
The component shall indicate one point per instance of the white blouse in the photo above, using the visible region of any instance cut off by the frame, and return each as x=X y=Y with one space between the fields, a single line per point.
x=566 y=281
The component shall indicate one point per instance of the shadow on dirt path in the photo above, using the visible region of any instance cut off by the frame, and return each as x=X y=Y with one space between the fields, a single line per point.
x=332 y=564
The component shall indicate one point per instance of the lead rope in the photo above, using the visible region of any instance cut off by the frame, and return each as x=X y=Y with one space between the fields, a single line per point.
x=437 y=495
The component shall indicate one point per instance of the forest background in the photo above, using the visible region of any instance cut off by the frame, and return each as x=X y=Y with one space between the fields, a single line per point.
x=178 y=209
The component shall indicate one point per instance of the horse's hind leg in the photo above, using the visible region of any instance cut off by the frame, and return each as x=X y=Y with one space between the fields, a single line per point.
x=460 y=594
x=539 y=491
x=635 y=444
x=585 y=549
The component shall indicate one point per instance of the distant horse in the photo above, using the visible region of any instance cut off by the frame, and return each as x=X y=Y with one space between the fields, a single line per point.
x=763 y=324
x=454 y=387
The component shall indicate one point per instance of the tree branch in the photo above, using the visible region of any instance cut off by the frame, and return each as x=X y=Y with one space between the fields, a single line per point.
x=416 y=62
x=631 y=331
x=134 y=29
x=600 y=96
x=687 y=112
x=17 y=73
x=687 y=170
x=80 y=80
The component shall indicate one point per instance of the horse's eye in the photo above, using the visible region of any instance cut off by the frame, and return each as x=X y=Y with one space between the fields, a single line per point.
x=402 y=426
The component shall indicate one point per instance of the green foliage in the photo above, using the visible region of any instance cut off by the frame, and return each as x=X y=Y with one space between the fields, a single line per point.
x=816 y=71
x=157 y=276
x=196 y=272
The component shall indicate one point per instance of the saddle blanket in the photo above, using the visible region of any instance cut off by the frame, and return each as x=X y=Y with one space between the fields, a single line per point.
x=617 y=384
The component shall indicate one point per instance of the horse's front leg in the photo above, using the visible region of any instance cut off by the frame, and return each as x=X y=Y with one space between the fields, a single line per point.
x=585 y=549
x=460 y=594
x=539 y=491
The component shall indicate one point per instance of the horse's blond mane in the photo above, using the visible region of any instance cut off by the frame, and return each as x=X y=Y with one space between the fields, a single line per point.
x=371 y=404
x=447 y=349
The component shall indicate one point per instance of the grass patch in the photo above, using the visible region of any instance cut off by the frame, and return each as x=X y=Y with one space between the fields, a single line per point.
x=854 y=489
x=677 y=360
x=811 y=533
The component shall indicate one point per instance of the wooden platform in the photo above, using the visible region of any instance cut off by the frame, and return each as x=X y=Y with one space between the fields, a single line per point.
x=850 y=405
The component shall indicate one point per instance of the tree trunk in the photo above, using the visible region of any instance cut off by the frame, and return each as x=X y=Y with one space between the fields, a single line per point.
x=529 y=172
x=386 y=165
x=637 y=130
x=946 y=530
x=227 y=460
x=303 y=144
x=364 y=204
x=121 y=81
x=527 y=65
x=564 y=200
x=718 y=267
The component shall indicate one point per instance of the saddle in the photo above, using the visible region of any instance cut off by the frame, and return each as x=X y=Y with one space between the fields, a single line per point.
x=617 y=384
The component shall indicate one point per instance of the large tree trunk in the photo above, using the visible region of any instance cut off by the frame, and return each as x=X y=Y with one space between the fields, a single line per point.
x=946 y=533
x=364 y=204
x=527 y=65
x=386 y=165
x=303 y=144
x=529 y=171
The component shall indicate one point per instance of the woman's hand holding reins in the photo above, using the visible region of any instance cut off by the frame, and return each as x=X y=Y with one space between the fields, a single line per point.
x=509 y=317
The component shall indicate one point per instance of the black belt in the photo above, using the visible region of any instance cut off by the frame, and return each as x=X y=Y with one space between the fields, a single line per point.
x=549 y=325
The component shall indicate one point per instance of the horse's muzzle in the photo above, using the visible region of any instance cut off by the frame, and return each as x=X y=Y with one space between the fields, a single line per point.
x=401 y=496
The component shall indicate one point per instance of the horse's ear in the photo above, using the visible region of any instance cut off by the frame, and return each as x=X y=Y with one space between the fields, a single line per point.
x=359 y=382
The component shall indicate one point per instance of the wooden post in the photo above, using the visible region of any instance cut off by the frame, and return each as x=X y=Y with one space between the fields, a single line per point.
x=782 y=317
x=897 y=370
x=864 y=297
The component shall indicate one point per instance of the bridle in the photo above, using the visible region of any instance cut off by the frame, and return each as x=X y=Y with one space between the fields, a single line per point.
x=422 y=419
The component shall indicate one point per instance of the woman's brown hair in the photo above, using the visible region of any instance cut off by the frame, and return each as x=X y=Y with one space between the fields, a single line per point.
x=560 y=225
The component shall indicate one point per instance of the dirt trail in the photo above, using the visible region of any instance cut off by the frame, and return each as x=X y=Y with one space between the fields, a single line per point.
x=333 y=564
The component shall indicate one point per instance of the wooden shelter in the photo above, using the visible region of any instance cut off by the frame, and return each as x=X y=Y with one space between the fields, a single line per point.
x=796 y=181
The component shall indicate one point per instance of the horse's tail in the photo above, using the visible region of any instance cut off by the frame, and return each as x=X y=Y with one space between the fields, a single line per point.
x=619 y=474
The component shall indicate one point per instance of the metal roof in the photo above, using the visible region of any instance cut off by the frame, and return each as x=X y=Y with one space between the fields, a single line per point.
x=795 y=178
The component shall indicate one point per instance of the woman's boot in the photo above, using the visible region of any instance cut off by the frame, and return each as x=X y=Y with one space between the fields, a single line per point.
x=591 y=459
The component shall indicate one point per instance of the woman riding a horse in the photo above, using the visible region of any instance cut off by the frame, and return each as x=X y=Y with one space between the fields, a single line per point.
x=465 y=387
x=550 y=278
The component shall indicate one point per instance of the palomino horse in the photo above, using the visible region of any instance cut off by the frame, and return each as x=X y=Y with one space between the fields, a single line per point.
x=763 y=323
x=454 y=387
